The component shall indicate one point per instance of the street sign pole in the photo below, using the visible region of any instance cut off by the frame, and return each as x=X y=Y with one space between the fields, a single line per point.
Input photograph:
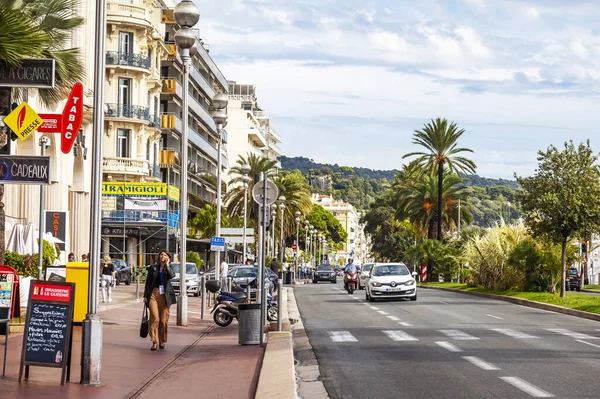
x=44 y=142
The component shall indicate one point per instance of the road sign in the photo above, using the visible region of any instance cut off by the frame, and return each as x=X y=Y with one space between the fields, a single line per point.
x=23 y=120
x=217 y=244
x=236 y=231
x=272 y=192
x=294 y=246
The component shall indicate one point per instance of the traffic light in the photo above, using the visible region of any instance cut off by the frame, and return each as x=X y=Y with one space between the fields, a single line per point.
x=584 y=247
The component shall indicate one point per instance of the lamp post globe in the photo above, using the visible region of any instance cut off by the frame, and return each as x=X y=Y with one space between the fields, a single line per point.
x=220 y=117
x=185 y=38
x=245 y=168
x=186 y=13
x=220 y=101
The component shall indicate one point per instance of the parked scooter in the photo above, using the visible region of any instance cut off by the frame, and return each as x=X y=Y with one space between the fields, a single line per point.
x=351 y=282
x=226 y=307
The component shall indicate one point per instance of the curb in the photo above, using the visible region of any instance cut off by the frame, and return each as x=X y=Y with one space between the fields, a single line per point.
x=277 y=379
x=525 y=302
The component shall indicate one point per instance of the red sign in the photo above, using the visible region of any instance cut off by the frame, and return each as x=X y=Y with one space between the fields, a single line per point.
x=294 y=246
x=51 y=292
x=52 y=123
x=72 y=117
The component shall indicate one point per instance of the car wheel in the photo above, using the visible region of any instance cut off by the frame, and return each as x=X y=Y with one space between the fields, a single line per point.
x=314 y=281
x=128 y=281
x=413 y=298
x=333 y=281
x=578 y=288
x=117 y=279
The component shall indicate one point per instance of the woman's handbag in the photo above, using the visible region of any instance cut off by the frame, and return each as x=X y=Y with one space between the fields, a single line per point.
x=144 y=325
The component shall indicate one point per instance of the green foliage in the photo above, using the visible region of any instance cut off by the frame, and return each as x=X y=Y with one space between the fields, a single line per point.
x=15 y=260
x=194 y=257
x=204 y=224
x=324 y=221
x=562 y=200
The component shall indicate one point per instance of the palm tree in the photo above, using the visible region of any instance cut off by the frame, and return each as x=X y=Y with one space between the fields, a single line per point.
x=295 y=189
x=440 y=141
x=42 y=29
x=235 y=197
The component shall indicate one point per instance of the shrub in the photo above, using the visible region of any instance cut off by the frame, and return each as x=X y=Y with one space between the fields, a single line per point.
x=15 y=260
x=195 y=258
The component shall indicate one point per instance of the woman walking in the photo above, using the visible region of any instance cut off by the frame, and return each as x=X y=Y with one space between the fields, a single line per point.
x=107 y=274
x=159 y=296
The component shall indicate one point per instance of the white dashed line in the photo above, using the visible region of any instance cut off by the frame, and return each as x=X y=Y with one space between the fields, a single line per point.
x=588 y=343
x=494 y=317
x=448 y=346
x=341 y=336
x=394 y=318
x=374 y=307
x=527 y=387
x=458 y=335
x=571 y=334
x=399 y=335
x=382 y=312
x=513 y=333
x=405 y=324
x=482 y=364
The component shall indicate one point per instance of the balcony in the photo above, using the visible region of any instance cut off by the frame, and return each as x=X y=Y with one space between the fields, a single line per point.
x=170 y=121
x=129 y=166
x=172 y=86
x=257 y=135
x=127 y=111
x=128 y=60
x=154 y=121
x=114 y=216
x=154 y=171
x=132 y=12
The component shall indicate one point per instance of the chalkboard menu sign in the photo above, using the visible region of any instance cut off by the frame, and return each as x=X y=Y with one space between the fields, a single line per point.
x=48 y=327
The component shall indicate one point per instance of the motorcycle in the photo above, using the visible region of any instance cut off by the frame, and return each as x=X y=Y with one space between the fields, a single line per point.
x=351 y=282
x=226 y=307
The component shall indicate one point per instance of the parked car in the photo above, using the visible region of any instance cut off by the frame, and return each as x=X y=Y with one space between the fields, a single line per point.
x=192 y=278
x=122 y=271
x=391 y=280
x=324 y=272
x=245 y=276
x=363 y=276
x=573 y=281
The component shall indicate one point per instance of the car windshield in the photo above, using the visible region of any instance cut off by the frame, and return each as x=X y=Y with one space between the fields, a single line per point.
x=390 y=270
x=189 y=269
x=367 y=267
x=573 y=272
x=245 y=272
x=325 y=268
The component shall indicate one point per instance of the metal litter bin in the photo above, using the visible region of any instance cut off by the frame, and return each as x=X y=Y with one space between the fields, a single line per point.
x=249 y=325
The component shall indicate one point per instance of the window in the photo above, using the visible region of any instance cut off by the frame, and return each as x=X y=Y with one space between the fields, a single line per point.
x=148 y=150
x=124 y=91
x=123 y=143
x=125 y=42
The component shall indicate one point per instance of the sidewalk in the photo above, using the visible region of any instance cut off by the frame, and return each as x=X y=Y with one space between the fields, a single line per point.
x=200 y=360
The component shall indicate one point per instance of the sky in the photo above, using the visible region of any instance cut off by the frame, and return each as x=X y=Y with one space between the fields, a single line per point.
x=349 y=82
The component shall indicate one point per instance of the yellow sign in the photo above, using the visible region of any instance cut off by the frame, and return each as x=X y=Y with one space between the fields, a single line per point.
x=139 y=190
x=23 y=120
x=174 y=193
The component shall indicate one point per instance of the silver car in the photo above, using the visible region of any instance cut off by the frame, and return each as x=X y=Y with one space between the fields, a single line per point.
x=192 y=279
x=391 y=280
x=363 y=277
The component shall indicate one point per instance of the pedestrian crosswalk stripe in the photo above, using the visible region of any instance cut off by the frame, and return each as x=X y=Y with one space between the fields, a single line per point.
x=458 y=335
x=399 y=335
x=382 y=312
x=342 y=336
x=394 y=318
x=571 y=334
x=448 y=346
x=513 y=333
x=482 y=364
x=527 y=387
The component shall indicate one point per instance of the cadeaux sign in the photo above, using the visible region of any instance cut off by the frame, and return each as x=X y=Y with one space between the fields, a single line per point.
x=67 y=123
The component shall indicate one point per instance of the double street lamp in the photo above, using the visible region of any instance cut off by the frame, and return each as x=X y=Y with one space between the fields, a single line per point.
x=219 y=103
x=281 y=244
x=245 y=180
x=297 y=214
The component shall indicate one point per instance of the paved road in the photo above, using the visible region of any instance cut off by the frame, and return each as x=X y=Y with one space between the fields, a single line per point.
x=447 y=345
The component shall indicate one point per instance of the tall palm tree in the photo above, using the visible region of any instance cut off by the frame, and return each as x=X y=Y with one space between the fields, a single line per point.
x=294 y=187
x=42 y=29
x=440 y=142
x=234 y=199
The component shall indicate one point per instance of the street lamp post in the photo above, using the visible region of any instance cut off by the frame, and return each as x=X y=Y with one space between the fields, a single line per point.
x=245 y=180
x=186 y=15
x=280 y=285
x=219 y=103
x=91 y=342
x=282 y=210
x=272 y=229
x=306 y=249
x=297 y=214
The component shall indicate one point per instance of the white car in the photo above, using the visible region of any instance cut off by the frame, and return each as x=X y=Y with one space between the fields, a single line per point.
x=363 y=277
x=391 y=280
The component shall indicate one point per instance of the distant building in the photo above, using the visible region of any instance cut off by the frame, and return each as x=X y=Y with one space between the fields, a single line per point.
x=357 y=244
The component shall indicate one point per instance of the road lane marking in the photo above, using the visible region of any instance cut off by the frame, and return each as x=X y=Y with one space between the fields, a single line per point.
x=527 y=387
x=399 y=335
x=353 y=297
x=494 y=317
x=588 y=343
x=571 y=334
x=448 y=346
x=382 y=312
x=374 y=307
x=513 y=333
x=458 y=335
x=405 y=324
x=394 y=318
x=341 y=336
x=482 y=364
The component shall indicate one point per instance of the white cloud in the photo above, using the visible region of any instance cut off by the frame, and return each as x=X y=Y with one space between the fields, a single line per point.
x=472 y=41
x=578 y=48
x=387 y=41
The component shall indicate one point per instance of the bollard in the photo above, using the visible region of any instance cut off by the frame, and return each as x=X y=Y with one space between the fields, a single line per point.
x=203 y=299
x=279 y=305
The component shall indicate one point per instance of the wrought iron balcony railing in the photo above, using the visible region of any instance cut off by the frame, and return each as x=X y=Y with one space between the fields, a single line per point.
x=127 y=111
x=129 y=59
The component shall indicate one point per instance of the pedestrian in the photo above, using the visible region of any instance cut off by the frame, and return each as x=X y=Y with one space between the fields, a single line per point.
x=249 y=262
x=159 y=296
x=274 y=266
x=107 y=275
x=302 y=271
x=71 y=257
x=84 y=258
x=223 y=269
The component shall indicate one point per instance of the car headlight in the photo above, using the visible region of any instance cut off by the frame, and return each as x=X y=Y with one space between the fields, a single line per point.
x=409 y=282
x=375 y=284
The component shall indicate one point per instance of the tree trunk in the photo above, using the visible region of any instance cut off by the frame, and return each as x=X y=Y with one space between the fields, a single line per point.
x=439 y=200
x=563 y=268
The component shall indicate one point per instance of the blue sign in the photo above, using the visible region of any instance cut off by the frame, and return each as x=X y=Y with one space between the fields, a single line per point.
x=217 y=241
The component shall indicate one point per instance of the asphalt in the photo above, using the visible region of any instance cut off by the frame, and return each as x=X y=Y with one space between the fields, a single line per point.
x=201 y=360
x=447 y=345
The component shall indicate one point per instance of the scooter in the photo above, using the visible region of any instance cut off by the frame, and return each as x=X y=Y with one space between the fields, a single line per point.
x=351 y=282
x=226 y=307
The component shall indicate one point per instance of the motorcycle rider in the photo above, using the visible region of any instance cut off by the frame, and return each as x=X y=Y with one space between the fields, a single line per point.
x=350 y=267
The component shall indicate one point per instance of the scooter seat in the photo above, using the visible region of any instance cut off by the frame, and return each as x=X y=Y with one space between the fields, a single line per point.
x=236 y=295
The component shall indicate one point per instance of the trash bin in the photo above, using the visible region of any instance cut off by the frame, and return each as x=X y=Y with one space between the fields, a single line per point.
x=249 y=324
x=288 y=278
x=77 y=272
